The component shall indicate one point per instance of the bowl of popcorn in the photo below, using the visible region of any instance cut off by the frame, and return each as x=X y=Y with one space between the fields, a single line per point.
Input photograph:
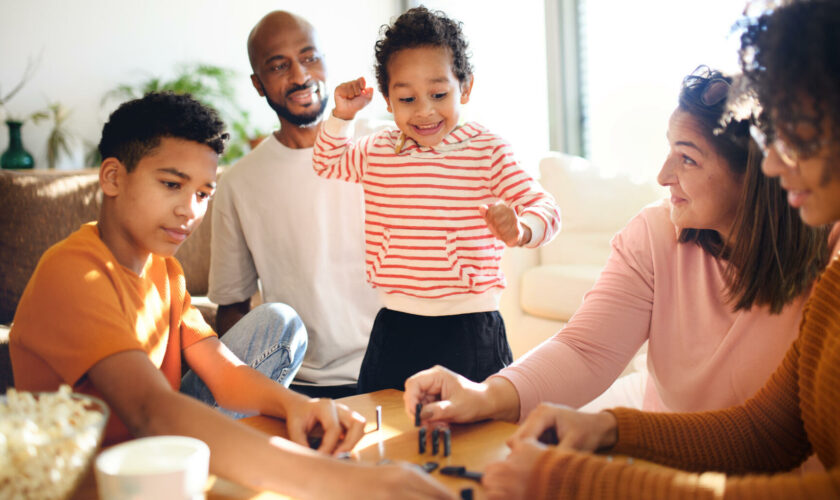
x=47 y=440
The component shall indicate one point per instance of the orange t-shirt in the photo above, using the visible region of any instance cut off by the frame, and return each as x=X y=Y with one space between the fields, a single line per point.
x=81 y=306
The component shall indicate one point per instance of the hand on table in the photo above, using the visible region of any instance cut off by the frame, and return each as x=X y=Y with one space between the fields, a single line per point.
x=572 y=429
x=445 y=395
x=342 y=426
x=351 y=97
x=505 y=224
x=508 y=479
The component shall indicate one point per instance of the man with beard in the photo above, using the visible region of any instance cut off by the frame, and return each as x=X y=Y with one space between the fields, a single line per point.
x=277 y=223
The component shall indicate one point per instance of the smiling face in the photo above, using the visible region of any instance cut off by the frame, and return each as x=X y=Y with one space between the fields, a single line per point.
x=159 y=203
x=812 y=182
x=288 y=68
x=704 y=190
x=424 y=94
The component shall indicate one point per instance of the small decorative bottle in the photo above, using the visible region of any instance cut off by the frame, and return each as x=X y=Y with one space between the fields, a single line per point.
x=15 y=156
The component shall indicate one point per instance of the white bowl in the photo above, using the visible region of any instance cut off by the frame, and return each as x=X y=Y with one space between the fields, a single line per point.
x=159 y=467
x=47 y=440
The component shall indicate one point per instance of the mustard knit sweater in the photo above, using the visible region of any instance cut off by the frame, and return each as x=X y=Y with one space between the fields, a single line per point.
x=749 y=448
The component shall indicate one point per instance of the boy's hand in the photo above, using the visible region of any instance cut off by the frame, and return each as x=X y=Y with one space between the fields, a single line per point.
x=342 y=426
x=505 y=225
x=351 y=97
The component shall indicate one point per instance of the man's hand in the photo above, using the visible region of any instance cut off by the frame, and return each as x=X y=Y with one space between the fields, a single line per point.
x=572 y=429
x=342 y=426
x=351 y=97
x=505 y=224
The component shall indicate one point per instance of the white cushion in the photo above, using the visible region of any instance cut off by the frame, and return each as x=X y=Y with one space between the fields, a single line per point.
x=555 y=291
x=593 y=208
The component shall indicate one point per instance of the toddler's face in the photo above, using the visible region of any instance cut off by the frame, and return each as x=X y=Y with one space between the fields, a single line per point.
x=424 y=94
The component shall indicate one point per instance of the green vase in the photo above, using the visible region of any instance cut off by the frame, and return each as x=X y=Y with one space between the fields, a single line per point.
x=15 y=156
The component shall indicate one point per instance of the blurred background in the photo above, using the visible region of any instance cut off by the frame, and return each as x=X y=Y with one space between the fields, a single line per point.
x=596 y=78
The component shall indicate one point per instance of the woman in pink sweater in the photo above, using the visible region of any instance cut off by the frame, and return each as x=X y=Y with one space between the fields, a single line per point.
x=713 y=278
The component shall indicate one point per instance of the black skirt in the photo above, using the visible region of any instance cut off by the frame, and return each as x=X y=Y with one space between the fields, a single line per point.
x=474 y=345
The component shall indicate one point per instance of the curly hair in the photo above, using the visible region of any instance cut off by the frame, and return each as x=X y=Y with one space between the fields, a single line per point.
x=791 y=52
x=420 y=27
x=135 y=129
x=773 y=256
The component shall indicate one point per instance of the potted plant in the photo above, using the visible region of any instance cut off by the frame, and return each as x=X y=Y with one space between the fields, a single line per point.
x=213 y=86
x=15 y=155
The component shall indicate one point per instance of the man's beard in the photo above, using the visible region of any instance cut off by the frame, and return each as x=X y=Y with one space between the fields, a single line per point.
x=303 y=119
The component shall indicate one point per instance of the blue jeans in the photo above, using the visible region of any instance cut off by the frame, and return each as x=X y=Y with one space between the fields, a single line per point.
x=270 y=339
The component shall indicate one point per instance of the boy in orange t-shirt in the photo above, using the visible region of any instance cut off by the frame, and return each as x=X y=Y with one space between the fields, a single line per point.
x=106 y=311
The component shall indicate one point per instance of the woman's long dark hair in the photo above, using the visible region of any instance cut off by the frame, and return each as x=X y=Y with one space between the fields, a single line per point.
x=774 y=256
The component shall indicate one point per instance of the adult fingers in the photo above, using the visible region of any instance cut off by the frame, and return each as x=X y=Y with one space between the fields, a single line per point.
x=424 y=387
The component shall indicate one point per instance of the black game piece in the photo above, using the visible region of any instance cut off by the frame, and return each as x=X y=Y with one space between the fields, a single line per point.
x=447 y=442
x=315 y=436
x=435 y=440
x=467 y=494
x=417 y=414
x=453 y=470
x=471 y=474
x=421 y=441
x=430 y=466
x=314 y=441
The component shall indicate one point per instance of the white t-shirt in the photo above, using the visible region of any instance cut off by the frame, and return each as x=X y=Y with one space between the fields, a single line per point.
x=303 y=238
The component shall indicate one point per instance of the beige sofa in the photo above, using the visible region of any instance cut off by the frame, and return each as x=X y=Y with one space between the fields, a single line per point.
x=547 y=285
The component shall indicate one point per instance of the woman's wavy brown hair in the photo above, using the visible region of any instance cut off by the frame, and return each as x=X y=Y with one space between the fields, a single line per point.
x=775 y=256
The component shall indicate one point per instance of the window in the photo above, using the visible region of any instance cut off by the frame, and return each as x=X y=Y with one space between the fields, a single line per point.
x=631 y=58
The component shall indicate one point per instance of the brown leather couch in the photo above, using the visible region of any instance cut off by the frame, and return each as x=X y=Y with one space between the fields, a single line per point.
x=39 y=208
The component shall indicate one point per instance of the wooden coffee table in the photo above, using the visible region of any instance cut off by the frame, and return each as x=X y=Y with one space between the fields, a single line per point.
x=473 y=446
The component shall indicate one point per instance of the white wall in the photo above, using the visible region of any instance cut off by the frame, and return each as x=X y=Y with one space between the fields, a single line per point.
x=87 y=47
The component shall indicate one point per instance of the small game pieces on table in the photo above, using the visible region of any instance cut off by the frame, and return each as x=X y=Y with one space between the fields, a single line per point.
x=447 y=442
x=378 y=417
x=430 y=466
x=435 y=440
x=467 y=494
x=417 y=414
x=421 y=440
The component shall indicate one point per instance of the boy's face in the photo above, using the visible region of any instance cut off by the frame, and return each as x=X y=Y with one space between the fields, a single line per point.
x=159 y=203
x=424 y=94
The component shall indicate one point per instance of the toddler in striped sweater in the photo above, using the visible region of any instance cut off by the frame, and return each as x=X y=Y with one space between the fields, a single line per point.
x=441 y=201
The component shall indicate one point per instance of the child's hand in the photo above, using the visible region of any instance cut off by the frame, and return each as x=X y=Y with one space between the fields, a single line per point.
x=505 y=225
x=351 y=97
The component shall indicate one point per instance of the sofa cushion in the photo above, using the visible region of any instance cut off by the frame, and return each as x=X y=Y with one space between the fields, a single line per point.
x=555 y=291
x=594 y=206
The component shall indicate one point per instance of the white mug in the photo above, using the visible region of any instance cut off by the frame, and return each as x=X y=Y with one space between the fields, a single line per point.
x=159 y=467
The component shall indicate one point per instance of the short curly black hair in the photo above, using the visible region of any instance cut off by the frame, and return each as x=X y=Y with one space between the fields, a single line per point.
x=791 y=52
x=135 y=129
x=420 y=27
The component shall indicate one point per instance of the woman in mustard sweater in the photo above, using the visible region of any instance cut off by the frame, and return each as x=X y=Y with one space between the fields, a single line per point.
x=790 y=58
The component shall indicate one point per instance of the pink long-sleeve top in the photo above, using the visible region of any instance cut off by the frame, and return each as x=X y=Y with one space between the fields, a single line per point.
x=701 y=354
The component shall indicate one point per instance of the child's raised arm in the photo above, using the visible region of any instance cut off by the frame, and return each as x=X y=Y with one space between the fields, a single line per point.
x=351 y=97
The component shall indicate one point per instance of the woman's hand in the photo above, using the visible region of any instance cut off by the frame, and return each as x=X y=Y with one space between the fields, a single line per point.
x=571 y=429
x=351 y=97
x=508 y=479
x=449 y=397
x=342 y=426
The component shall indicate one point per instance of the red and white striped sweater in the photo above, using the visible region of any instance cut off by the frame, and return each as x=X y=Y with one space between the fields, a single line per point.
x=427 y=247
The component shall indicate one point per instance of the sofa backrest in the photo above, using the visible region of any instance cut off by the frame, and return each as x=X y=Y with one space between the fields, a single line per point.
x=41 y=207
x=594 y=207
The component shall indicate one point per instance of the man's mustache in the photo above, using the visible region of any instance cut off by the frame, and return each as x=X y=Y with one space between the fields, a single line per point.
x=313 y=86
